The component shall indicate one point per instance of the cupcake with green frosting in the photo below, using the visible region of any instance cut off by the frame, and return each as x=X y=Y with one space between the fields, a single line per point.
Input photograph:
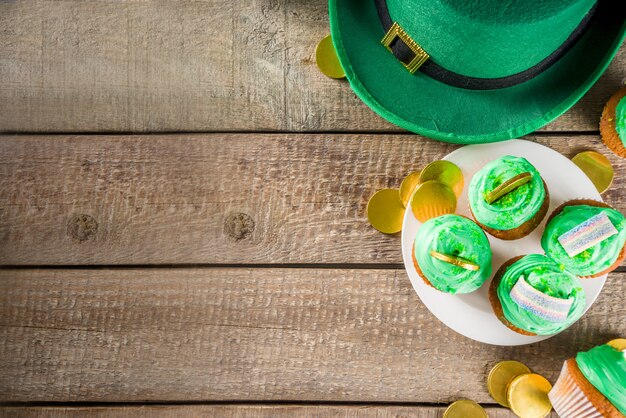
x=613 y=123
x=593 y=384
x=585 y=237
x=532 y=295
x=452 y=254
x=508 y=198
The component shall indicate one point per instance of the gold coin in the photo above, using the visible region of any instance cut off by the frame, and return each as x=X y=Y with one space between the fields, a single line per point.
x=432 y=199
x=457 y=261
x=445 y=172
x=327 y=60
x=385 y=211
x=407 y=187
x=619 y=344
x=500 y=376
x=465 y=409
x=597 y=167
x=508 y=186
x=528 y=396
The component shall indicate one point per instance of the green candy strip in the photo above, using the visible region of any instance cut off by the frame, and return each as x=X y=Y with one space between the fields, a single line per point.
x=508 y=186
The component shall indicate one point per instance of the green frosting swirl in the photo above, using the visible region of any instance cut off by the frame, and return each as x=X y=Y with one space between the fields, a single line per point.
x=546 y=276
x=513 y=209
x=620 y=119
x=605 y=368
x=458 y=236
x=593 y=260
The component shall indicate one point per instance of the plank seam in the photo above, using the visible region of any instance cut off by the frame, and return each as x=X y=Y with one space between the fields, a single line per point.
x=330 y=266
x=232 y=403
x=275 y=132
x=325 y=266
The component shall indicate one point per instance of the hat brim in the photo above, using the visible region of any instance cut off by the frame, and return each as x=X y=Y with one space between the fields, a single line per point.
x=422 y=105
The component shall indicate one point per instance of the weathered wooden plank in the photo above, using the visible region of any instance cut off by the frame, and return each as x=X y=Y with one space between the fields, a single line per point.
x=235 y=411
x=147 y=66
x=141 y=66
x=249 y=334
x=220 y=198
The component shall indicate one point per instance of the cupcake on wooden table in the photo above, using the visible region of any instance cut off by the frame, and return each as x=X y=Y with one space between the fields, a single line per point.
x=532 y=295
x=593 y=384
x=452 y=254
x=586 y=237
x=508 y=198
x=613 y=123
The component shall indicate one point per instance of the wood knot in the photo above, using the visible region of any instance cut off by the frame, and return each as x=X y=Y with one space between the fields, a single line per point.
x=239 y=225
x=82 y=227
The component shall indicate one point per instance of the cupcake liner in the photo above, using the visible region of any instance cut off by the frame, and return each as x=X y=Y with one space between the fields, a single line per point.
x=419 y=270
x=568 y=399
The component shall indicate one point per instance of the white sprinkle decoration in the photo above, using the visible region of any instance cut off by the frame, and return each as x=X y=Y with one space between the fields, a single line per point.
x=587 y=234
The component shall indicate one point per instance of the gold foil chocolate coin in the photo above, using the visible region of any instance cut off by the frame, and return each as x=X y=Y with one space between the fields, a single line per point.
x=619 y=344
x=597 y=167
x=407 y=187
x=445 y=172
x=528 y=396
x=501 y=376
x=327 y=60
x=507 y=187
x=465 y=409
x=457 y=261
x=385 y=211
x=432 y=199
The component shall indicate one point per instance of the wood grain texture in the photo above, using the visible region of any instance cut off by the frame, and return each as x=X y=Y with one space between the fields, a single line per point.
x=225 y=334
x=156 y=66
x=221 y=198
x=237 y=411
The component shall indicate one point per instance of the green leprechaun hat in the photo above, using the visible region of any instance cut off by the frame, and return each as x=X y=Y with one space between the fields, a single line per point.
x=474 y=71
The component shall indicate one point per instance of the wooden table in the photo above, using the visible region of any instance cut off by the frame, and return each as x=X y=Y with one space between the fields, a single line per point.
x=183 y=230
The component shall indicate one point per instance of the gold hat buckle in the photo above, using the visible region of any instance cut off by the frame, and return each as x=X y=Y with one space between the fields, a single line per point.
x=396 y=31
